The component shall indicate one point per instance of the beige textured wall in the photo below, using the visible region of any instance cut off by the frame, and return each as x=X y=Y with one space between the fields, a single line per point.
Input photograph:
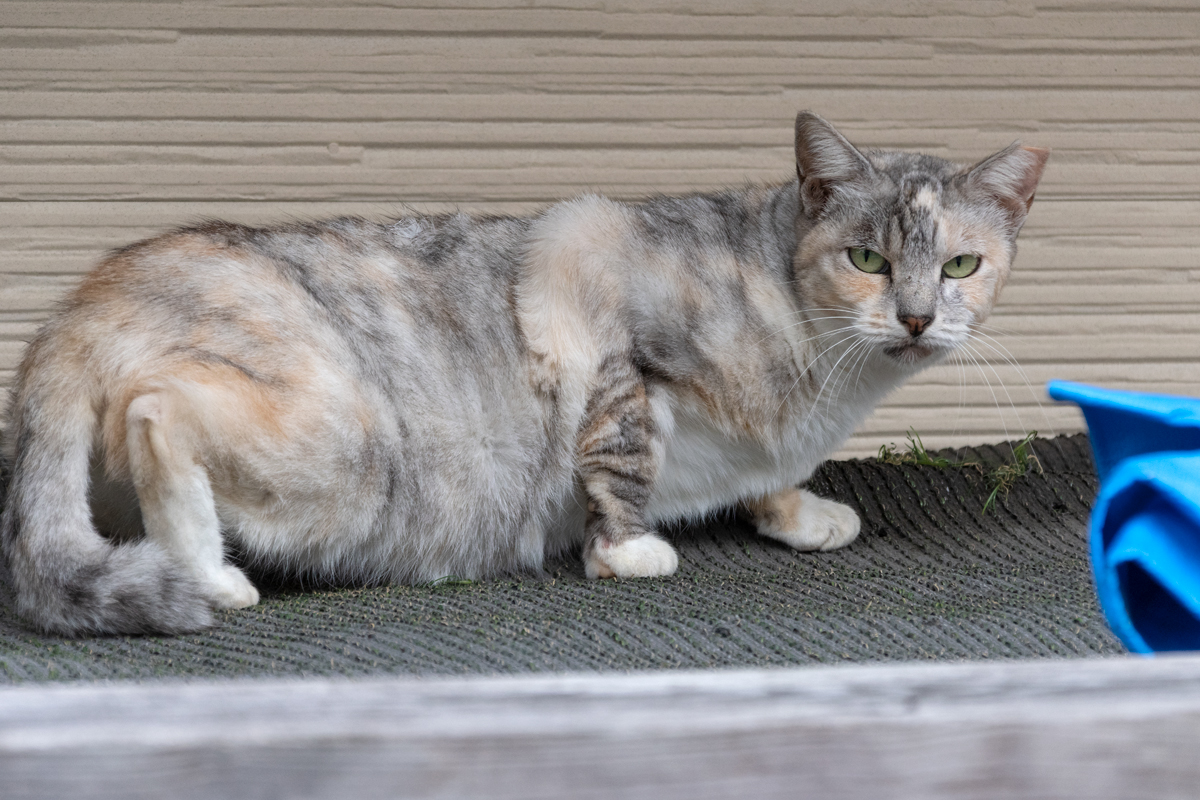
x=119 y=119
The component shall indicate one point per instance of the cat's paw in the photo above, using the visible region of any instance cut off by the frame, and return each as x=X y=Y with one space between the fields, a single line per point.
x=804 y=521
x=646 y=556
x=230 y=588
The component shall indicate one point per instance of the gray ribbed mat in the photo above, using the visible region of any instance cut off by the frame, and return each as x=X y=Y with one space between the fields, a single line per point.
x=930 y=578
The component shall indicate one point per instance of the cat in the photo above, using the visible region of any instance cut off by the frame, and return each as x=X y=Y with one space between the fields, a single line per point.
x=403 y=400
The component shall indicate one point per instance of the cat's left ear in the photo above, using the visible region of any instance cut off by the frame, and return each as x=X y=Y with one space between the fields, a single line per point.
x=1011 y=178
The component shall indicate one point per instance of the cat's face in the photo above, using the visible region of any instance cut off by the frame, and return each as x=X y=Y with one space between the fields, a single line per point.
x=906 y=251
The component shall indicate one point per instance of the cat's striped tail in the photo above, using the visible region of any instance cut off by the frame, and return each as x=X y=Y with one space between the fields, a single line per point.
x=67 y=578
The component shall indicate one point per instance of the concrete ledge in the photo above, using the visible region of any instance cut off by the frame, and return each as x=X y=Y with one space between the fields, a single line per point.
x=1084 y=728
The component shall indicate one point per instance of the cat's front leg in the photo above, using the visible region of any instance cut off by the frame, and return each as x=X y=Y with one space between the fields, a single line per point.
x=619 y=450
x=804 y=521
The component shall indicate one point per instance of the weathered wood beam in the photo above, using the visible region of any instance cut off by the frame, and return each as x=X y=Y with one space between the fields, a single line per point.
x=1097 y=729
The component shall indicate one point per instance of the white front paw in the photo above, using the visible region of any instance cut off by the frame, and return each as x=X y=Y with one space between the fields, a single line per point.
x=647 y=556
x=230 y=588
x=806 y=522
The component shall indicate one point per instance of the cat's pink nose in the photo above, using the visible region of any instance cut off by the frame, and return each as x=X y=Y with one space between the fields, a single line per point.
x=916 y=325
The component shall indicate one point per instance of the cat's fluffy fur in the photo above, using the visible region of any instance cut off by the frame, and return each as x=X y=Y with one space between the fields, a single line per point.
x=458 y=395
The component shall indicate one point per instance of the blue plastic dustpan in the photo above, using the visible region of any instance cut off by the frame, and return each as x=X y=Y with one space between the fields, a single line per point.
x=1145 y=527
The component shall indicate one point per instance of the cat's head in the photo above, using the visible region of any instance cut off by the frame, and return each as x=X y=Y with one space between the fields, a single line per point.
x=907 y=250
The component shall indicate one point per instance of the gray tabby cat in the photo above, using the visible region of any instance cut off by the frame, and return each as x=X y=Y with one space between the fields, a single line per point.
x=454 y=395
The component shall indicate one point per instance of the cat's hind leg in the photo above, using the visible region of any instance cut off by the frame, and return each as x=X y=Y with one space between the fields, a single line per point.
x=176 y=498
x=804 y=521
x=619 y=453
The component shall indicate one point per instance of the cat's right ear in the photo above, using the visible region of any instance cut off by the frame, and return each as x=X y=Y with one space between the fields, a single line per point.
x=824 y=158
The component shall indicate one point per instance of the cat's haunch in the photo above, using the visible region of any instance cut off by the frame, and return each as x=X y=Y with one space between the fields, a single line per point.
x=403 y=400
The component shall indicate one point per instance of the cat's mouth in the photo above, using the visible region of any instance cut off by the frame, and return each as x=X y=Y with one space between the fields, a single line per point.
x=910 y=352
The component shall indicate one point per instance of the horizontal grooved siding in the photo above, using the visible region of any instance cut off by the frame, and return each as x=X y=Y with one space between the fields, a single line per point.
x=120 y=119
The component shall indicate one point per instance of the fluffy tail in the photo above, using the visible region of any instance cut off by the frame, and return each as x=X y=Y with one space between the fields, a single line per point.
x=67 y=578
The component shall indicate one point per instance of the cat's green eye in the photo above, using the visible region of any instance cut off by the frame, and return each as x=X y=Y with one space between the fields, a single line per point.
x=867 y=260
x=960 y=266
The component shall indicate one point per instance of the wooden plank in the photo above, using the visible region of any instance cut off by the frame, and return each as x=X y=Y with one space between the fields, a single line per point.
x=1013 y=419
x=488 y=174
x=1017 y=106
x=127 y=60
x=1111 y=728
x=1077 y=143
x=760 y=21
x=867 y=446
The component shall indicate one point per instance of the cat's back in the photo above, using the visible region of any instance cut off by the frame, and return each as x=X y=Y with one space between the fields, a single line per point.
x=347 y=273
x=415 y=313
x=371 y=297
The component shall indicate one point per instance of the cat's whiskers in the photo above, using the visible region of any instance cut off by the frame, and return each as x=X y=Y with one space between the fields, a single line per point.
x=862 y=351
x=814 y=313
x=998 y=347
x=812 y=363
x=861 y=342
x=806 y=309
x=962 y=390
x=804 y=322
x=820 y=335
x=810 y=315
x=859 y=348
x=979 y=361
x=994 y=329
x=855 y=348
x=862 y=363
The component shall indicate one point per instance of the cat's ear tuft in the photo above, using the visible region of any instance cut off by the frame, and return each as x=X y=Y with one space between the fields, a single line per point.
x=824 y=158
x=1011 y=178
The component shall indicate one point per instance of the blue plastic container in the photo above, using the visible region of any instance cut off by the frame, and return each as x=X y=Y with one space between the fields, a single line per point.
x=1145 y=527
